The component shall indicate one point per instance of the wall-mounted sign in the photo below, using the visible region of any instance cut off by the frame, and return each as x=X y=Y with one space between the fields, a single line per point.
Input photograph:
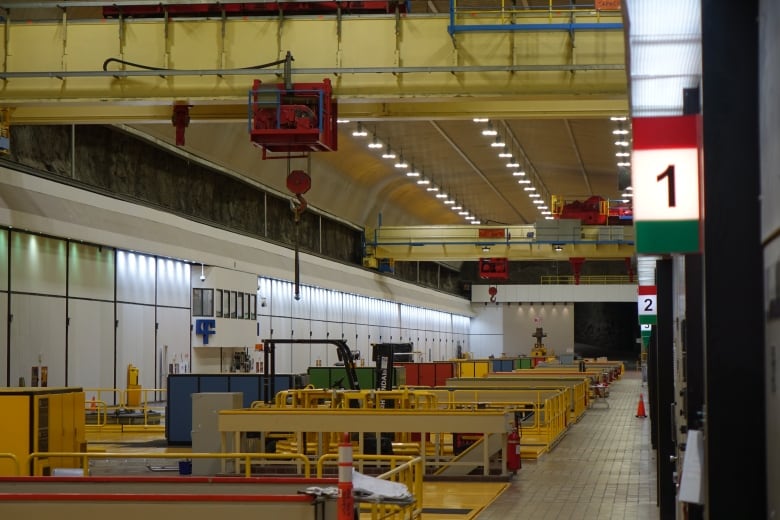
x=665 y=179
x=647 y=300
x=205 y=328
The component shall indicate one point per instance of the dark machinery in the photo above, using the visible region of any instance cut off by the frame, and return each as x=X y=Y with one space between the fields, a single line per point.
x=385 y=355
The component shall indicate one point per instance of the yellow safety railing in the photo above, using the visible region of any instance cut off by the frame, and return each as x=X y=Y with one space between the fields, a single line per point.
x=403 y=469
x=150 y=405
x=14 y=460
x=36 y=458
x=507 y=10
x=308 y=398
x=545 y=416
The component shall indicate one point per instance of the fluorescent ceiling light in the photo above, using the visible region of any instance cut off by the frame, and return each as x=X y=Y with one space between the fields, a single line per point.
x=489 y=131
x=620 y=132
x=538 y=201
x=412 y=174
x=625 y=164
x=423 y=182
x=476 y=222
x=480 y=120
x=524 y=181
x=529 y=188
x=389 y=154
x=456 y=208
x=518 y=173
x=449 y=201
x=375 y=144
x=360 y=131
x=498 y=143
x=441 y=195
x=513 y=163
x=342 y=121
x=621 y=143
x=401 y=163
x=463 y=213
x=618 y=118
x=622 y=154
x=470 y=217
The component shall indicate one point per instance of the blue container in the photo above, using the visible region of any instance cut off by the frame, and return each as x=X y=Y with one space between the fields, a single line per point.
x=185 y=467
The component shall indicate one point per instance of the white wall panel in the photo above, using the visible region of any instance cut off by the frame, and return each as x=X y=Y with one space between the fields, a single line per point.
x=91 y=272
x=4 y=343
x=37 y=329
x=173 y=283
x=302 y=308
x=38 y=264
x=135 y=343
x=3 y=260
x=319 y=330
x=135 y=275
x=173 y=341
x=91 y=344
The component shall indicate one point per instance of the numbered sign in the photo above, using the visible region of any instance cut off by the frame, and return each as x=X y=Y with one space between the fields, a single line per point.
x=665 y=180
x=647 y=300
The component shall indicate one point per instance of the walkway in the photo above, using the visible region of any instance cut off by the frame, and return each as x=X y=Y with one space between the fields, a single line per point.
x=604 y=468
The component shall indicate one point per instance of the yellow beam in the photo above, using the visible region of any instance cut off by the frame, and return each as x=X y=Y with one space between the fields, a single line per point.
x=380 y=68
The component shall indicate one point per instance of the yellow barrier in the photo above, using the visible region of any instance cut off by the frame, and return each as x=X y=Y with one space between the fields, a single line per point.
x=97 y=401
x=246 y=458
x=403 y=469
x=544 y=417
x=14 y=460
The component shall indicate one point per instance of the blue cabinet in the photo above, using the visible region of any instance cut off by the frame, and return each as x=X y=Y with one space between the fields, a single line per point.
x=178 y=416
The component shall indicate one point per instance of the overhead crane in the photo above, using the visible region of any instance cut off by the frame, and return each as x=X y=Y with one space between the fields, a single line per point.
x=377 y=66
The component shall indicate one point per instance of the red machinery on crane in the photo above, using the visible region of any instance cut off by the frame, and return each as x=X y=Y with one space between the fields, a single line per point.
x=594 y=211
x=291 y=121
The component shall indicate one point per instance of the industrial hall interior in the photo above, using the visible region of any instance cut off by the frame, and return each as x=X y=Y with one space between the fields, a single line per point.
x=389 y=260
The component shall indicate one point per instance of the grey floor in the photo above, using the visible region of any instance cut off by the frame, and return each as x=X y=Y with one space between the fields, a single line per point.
x=604 y=468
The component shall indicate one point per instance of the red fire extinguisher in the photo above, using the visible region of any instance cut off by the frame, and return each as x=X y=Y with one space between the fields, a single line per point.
x=513 y=451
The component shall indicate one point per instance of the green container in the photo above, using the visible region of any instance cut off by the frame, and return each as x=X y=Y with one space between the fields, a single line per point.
x=327 y=377
x=523 y=362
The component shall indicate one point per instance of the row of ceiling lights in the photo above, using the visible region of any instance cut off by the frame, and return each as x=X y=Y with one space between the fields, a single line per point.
x=413 y=173
x=513 y=164
x=623 y=153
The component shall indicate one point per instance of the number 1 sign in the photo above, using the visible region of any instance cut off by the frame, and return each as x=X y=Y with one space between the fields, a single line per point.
x=665 y=180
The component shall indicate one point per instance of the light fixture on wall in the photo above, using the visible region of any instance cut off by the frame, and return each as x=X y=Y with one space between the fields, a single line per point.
x=558 y=247
x=202 y=274
x=485 y=249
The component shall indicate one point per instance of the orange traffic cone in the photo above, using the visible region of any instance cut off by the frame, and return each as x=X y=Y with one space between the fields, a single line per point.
x=640 y=409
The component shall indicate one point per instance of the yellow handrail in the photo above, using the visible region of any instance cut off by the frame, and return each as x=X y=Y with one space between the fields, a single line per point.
x=246 y=458
x=403 y=469
x=14 y=460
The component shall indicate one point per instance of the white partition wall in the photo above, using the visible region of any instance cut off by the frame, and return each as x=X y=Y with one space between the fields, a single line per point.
x=4 y=369
x=38 y=337
x=37 y=313
x=91 y=343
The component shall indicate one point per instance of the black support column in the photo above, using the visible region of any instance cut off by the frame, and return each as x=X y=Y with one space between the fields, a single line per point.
x=664 y=394
x=733 y=272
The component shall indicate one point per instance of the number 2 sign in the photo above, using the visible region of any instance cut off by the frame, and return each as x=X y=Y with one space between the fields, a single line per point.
x=646 y=304
x=665 y=180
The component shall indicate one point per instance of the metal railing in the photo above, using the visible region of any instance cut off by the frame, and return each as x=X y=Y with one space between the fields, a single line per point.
x=404 y=470
x=603 y=279
x=14 y=460
x=35 y=459
x=149 y=409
